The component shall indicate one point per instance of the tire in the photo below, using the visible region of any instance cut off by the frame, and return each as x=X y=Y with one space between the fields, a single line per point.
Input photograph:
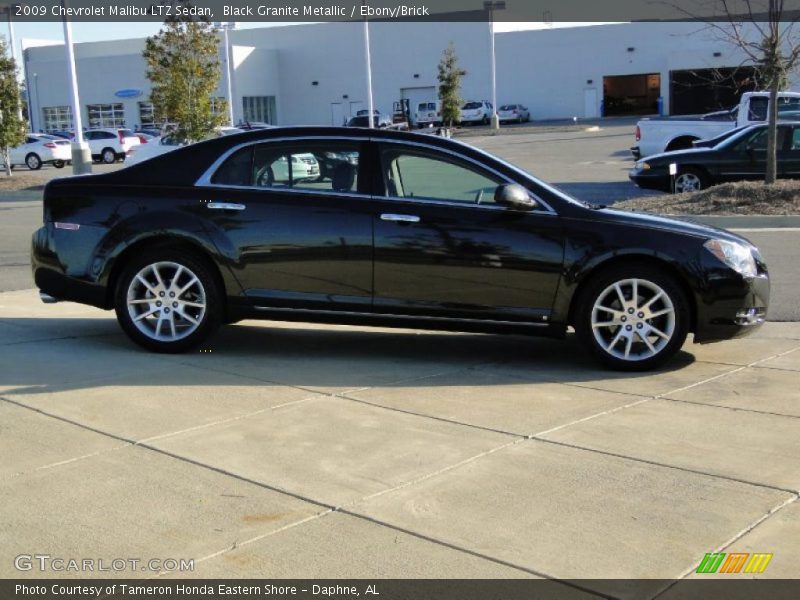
x=155 y=324
x=58 y=164
x=108 y=156
x=690 y=179
x=653 y=339
x=33 y=161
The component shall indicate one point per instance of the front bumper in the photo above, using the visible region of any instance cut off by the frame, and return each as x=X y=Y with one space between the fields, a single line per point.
x=739 y=307
x=651 y=179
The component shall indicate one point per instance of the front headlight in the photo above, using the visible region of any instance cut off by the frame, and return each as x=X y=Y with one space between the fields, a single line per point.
x=642 y=165
x=737 y=256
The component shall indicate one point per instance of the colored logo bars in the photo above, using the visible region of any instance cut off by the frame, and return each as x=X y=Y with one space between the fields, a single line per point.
x=741 y=562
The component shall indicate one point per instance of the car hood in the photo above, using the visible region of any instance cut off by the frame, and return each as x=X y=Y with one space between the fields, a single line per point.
x=665 y=158
x=679 y=225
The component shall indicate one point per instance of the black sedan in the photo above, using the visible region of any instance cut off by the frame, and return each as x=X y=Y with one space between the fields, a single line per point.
x=410 y=231
x=739 y=155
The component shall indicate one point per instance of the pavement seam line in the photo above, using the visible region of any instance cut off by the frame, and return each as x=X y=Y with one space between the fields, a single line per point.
x=665 y=465
x=132 y=443
x=431 y=417
x=763 y=518
x=228 y=420
x=726 y=407
x=474 y=553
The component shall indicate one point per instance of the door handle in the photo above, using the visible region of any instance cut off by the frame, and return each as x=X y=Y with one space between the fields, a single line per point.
x=225 y=206
x=400 y=218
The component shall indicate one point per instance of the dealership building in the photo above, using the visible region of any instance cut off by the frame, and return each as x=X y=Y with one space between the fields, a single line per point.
x=315 y=74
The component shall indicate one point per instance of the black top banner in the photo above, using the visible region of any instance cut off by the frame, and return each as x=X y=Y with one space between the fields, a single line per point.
x=546 y=11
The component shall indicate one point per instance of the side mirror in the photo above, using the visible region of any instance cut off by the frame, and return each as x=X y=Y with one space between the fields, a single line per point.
x=514 y=196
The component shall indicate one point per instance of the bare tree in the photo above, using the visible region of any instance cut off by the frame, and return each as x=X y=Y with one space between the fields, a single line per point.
x=765 y=32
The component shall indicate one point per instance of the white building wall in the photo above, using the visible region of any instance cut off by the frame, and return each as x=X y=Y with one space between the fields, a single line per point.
x=548 y=70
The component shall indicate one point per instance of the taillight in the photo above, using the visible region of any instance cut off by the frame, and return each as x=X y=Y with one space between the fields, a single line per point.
x=49 y=145
x=638 y=133
x=121 y=137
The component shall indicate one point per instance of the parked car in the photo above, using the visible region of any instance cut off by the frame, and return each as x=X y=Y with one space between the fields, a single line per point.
x=737 y=157
x=151 y=131
x=110 y=145
x=428 y=113
x=41 y=149
x=363 y=121
x=477 y=112
x=664 y=134
x=67 y=135
x=420 y=231
x=513 y=112
x=166 y=143
x=144 y=137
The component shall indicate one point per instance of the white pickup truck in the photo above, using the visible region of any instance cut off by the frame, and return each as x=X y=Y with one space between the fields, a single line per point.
x=664 y=134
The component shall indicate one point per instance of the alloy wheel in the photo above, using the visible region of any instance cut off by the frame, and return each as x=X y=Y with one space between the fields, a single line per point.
x=166 y=301
x=633 y=319
x=688 y=182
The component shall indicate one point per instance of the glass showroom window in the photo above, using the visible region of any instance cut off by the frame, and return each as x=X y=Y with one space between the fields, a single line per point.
x=218 y=106
x=106 y=115
x=57 y=118
x=147 y=114
x=259 y=109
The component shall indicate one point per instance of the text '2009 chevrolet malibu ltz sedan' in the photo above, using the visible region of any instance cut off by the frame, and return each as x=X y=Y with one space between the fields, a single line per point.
x=392 y=229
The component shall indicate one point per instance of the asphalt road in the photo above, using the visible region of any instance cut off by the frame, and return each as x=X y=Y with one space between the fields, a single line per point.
x=591 y=165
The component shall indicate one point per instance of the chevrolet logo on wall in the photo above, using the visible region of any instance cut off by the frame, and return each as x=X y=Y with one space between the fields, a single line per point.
x=736 y=562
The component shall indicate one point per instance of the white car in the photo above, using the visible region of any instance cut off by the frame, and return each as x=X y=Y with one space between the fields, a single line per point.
x=110 y=145
x=166 y=143
x=40 y=149
x=513 y=112
x=477 y=112
x=276 y=174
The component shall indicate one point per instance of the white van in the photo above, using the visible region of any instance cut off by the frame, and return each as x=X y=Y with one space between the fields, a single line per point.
x=427 y=113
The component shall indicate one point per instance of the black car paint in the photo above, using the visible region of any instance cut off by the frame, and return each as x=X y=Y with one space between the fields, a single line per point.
x=465 y=267
x=724 y=162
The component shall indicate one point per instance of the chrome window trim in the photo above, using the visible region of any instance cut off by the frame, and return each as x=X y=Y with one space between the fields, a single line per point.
x=205 y=179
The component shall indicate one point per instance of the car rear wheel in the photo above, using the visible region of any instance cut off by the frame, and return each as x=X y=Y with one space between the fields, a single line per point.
x=108 y=155
x=58 y=164
x=168 y=301
x=690 y=180
x=33 y=161
x=632 y=318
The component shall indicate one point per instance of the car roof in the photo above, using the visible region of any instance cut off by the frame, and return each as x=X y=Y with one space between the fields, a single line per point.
x=185 y=165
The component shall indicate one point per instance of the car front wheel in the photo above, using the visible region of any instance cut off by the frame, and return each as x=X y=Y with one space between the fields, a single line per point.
x=632 y=318
x=690 y=180
x=109 y=156
x=168 y=301
x=33 y=161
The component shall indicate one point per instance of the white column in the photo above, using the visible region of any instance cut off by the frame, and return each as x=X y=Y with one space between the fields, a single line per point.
x=368 y=59
x=495 y=118
x=228 y=74
x=81 y=157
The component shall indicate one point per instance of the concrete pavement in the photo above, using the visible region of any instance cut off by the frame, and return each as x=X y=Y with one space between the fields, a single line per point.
x=292 y=450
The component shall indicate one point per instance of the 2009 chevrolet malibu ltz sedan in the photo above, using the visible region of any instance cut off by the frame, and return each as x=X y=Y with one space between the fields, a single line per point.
x=397 y=229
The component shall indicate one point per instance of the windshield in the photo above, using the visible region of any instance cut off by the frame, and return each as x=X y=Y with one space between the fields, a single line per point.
x=738 y=136
x=471 y=105
x=508 y=107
